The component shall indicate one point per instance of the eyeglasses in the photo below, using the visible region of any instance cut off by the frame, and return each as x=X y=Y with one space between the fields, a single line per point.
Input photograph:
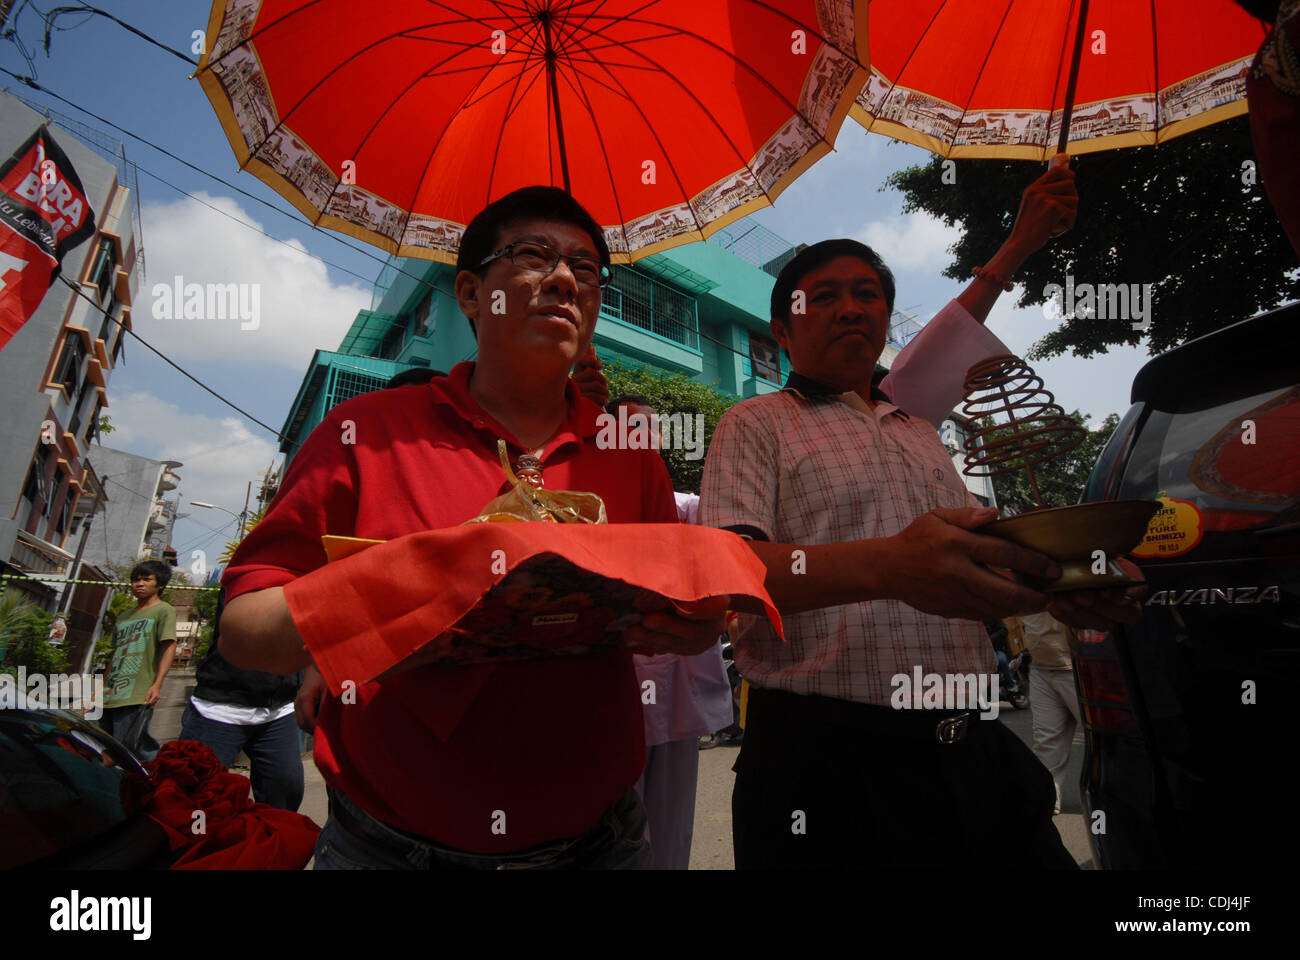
x=540 y=258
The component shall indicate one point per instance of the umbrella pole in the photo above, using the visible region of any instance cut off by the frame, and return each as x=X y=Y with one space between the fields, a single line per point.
x=1074 y=78
x=555 y=98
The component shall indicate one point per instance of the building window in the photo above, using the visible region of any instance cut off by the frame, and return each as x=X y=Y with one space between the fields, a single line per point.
x=68 y=370
x=37 y=484
x=763 y=355
x=92 y=428
x=392 y=343
x=637 y=299
x=65 y=513
x=118 y=347
x=105 y=266
x=74 y=425
x=110 y=314
x=424 y=321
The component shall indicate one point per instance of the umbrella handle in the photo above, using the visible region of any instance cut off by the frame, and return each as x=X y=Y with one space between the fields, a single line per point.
x=1061 y=160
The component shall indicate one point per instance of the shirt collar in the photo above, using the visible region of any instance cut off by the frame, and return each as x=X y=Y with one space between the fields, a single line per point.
x=809 y=389
x=453 y=391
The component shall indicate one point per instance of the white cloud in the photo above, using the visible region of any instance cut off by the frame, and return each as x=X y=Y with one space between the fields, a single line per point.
x=912 y=241
x=299 y=308
x=220 y=455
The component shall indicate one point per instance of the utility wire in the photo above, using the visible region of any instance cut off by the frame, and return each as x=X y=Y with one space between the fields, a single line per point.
x=57 y=12
x=28 y=81
x=174 y=365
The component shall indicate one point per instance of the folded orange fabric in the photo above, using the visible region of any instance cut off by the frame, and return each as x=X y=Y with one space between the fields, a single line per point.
x=367 y=612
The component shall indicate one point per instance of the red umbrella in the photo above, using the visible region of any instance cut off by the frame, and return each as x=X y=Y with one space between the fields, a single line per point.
x=996 y=78
x=397 y=122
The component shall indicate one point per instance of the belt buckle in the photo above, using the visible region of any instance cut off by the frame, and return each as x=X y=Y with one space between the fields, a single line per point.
x=952 y=729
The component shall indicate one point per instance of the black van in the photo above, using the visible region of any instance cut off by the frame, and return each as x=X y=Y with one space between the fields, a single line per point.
x=1191 y=715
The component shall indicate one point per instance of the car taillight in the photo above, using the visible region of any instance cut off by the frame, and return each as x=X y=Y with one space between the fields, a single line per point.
x=1104 y=698
x=1101 y=680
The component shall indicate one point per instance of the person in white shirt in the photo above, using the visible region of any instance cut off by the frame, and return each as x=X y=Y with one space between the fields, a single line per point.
x=1053 y=700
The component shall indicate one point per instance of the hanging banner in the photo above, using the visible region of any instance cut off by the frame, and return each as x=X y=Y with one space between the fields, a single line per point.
x=44 y=213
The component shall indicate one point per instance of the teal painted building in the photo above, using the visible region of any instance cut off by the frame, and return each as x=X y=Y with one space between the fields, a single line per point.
x=700 y=309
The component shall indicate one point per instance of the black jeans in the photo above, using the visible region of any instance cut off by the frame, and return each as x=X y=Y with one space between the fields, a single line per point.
x=272 y=748
x=828 y=783
x=129 y=726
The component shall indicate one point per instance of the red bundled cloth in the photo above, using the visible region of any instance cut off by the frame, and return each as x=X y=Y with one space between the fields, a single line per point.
x=362 y=615
x=186 y=778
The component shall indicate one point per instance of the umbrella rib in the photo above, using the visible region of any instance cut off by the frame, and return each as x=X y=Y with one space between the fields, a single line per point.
x=410 y=211
x=338 y=181
x=614 y=43
x=772 y=87
x=283 y=119
x=894 y=84
x=1056 y=87
x=745 y=162
x=311 y=3
x=980 y=73
x=609 y=170
x=501 y=131
x=632 y=18
x=668 y=159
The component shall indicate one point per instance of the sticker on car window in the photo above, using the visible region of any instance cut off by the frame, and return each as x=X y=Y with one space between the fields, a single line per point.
x=1175 y=529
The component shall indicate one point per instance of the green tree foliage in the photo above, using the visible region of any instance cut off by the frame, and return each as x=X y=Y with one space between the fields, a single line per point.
x=29 y=644
x=1062 y=479
x=205 y=602
x=204 y=643
x=668 y=394
x=1178 y=216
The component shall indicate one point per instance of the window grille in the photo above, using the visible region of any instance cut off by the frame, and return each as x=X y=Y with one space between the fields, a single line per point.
x=346 y=384
x=636 y=299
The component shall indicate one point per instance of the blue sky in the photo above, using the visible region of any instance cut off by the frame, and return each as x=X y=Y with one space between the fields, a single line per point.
x=308 y=303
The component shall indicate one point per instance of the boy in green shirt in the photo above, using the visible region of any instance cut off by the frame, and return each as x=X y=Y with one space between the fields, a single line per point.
x=144 y=645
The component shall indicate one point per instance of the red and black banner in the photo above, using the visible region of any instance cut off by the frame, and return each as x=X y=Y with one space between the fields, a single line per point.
x=44 y=213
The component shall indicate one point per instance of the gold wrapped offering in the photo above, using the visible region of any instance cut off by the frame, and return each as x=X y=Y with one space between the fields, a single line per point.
x=528 y=500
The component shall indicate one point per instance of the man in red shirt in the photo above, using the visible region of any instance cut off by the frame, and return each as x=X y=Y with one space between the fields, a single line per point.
x=485 y=766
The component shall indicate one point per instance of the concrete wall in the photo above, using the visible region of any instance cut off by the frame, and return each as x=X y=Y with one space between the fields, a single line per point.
x=131 y=485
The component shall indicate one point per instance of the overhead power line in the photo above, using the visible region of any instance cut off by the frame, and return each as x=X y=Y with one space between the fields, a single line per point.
x=174 y=365
x=57 y=12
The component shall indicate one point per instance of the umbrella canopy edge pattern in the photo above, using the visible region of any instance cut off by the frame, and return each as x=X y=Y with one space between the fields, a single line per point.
x=234 y=80
x=915 y=93
x=1080 y=141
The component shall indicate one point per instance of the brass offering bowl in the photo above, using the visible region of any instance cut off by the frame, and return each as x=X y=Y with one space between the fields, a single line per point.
x=1071 y=535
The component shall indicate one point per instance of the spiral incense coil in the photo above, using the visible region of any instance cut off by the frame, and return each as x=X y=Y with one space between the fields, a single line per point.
x=1034 y=428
